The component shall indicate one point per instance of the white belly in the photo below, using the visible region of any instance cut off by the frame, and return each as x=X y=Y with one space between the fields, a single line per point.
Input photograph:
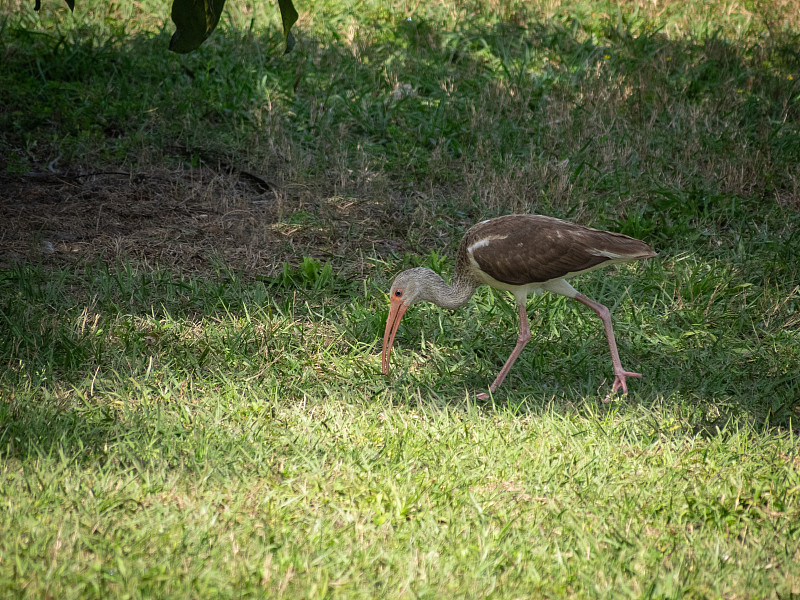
x=521 y=292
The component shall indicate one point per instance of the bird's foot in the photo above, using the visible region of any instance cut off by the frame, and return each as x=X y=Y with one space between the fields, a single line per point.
x=619 y=383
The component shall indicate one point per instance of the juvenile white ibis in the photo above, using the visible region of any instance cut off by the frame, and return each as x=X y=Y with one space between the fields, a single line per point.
x=521 y=254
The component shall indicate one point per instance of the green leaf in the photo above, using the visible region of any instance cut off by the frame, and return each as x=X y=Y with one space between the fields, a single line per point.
x=289 y=17
x=194 y=21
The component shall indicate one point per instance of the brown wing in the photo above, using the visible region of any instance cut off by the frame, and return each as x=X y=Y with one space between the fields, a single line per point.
x=521 y=249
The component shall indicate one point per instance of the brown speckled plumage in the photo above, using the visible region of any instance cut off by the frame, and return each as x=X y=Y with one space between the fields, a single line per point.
x=523 y=249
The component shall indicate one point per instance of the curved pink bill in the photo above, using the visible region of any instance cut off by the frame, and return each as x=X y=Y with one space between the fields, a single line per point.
x=396 y=312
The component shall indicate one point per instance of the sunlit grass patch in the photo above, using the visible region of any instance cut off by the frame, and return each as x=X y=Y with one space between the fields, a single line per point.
x=195 y=253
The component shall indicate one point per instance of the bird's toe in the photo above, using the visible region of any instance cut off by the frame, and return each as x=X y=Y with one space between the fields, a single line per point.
x=620 y=383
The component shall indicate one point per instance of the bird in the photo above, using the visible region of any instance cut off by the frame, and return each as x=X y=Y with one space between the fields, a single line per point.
x=521 y=254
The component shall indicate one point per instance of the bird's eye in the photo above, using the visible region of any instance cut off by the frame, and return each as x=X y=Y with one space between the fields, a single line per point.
x=398 y=293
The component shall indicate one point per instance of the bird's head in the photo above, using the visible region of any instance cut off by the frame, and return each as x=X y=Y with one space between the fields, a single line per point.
x=409 y=287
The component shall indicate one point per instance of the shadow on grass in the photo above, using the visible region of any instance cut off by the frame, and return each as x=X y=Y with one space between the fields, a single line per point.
x=690 y=144
x=132 y=366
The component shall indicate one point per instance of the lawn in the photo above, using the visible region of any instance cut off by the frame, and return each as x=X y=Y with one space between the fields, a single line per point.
x=195 y=255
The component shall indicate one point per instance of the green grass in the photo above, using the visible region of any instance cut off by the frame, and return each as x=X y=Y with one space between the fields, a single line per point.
x=191 y=402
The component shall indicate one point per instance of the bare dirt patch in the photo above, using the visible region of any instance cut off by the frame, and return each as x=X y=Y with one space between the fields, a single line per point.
x=195 y=220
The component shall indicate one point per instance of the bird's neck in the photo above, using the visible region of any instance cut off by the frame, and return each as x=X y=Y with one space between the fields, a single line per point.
x=452 y=296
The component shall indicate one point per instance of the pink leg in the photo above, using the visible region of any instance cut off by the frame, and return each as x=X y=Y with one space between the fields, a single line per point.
x=619 y=373
x=524 y=336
